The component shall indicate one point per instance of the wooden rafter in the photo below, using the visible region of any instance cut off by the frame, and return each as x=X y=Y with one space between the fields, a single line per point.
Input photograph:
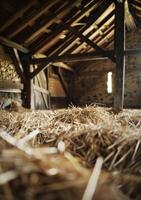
x=90 y=22
x=136 y=3
x=70 y=45
x=82 y=57
x=72 y=57
x=91 y=33
x=17 y=15
x=102 y=37
x=10 y=43
x=50 y=19
x=91 y=43
x=30 y=18
x=55 y=35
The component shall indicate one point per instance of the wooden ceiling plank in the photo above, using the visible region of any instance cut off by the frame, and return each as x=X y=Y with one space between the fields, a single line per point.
x=111 y=43
x=50 y=20
x=67 y=47
x=55 y=49
x=105 y=33
x=89 y=23
x=17 y=15
x=106 y=38
x=29 y=19
x=43 y=46
x=43 y=28
x=41 y=68
x=107 y=19
x=64 y=47
x=89 y=42
x=74 y=19
x=136 y=3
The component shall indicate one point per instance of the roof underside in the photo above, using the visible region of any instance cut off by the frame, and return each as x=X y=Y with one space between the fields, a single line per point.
x=44 y=26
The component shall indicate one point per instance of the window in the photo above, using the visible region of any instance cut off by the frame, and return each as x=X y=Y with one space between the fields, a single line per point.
x=109 y=82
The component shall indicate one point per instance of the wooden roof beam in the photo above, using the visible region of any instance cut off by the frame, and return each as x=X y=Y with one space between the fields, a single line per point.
x=49 y=21
x=106 y=38
x=72 y=57
x=76 y=57
x=95 y=32
x=91 y=43
x=17 y=15
x=10 y=43
x=29 y=19
x=54 y=36
x=102 y=37
x=136 y=3
x=71 y=37
x=82 y=56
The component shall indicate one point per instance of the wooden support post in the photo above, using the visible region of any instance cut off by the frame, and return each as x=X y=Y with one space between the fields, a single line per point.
x=119 y=52
x=26 y=94
x=47 y=82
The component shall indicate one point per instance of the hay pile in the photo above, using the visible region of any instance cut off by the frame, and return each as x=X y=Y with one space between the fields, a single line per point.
x=7 y=71
x=86 y=133
x=40 y=173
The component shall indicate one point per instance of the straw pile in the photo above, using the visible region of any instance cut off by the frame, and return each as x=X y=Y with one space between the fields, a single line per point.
x=86 y=133
x=7 y=71
x=39 y=173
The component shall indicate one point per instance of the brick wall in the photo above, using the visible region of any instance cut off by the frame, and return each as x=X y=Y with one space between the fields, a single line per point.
x=90 y=84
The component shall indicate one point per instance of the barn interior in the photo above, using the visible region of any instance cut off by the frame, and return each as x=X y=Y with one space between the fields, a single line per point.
x=70 y=99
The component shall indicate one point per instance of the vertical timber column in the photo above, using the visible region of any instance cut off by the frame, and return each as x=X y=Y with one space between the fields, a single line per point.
x=26 y=94
x=47 y=82
x=119 y=52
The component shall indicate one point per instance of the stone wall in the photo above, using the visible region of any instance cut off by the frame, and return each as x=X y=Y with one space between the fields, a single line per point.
x=90 y=84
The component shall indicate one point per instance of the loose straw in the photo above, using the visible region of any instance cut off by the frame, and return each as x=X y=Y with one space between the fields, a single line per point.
x=91 y=186
x=11 y=140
